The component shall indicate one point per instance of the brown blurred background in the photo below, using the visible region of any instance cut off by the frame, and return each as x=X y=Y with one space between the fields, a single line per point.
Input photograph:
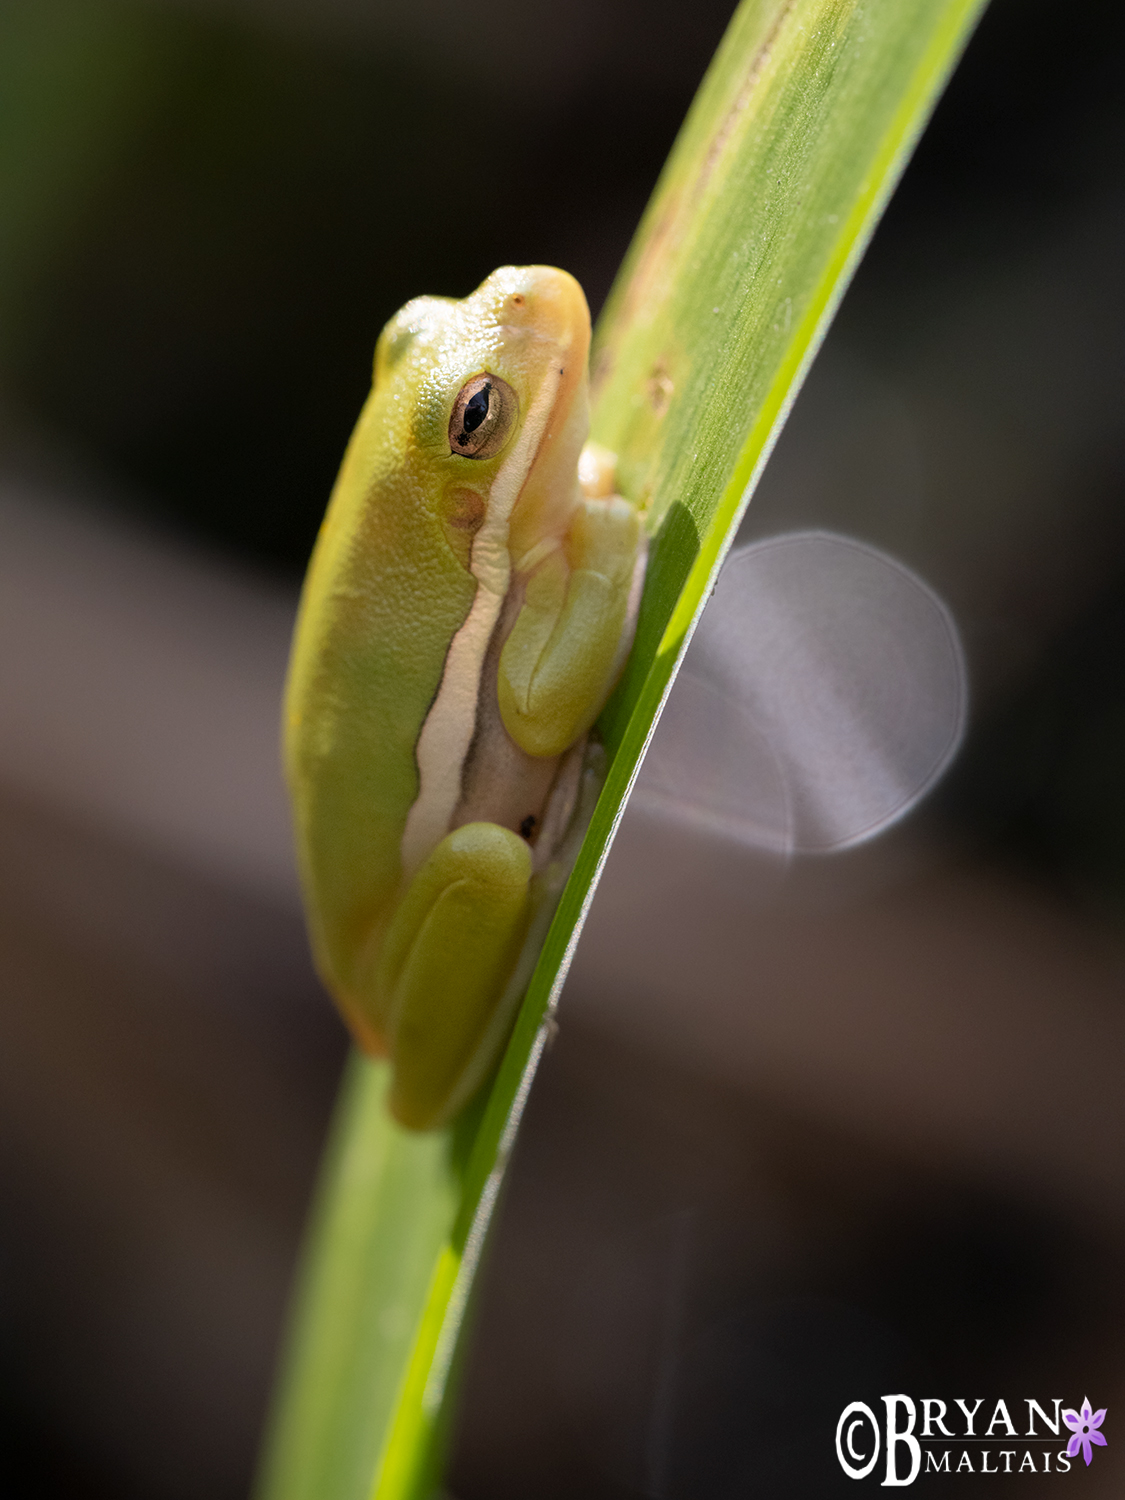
x=810 y=1132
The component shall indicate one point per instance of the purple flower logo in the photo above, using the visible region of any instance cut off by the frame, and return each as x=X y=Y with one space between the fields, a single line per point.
x=1084 y=1426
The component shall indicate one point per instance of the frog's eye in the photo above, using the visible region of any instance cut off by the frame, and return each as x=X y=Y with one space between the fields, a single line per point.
x=484 y=415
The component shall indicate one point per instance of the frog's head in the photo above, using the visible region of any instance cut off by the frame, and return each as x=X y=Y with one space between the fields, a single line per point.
x=495 y=394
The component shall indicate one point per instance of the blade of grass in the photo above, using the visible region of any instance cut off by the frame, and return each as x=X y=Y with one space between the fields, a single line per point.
x=790 y=151
x=382 y=1214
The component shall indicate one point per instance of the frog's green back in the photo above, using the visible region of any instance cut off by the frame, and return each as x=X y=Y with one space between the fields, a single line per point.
x=383 y=597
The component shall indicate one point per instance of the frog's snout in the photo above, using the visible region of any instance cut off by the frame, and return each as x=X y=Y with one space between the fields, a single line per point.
x=544 y=299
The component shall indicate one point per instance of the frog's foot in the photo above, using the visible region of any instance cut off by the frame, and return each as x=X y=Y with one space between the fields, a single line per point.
x=447 y=955
x=573 y=632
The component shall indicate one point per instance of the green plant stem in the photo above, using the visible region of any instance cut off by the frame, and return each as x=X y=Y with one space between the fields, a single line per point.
x=791 y=150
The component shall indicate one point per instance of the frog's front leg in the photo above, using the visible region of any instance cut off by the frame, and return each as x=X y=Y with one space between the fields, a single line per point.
x=573 y=631
x=447 y=955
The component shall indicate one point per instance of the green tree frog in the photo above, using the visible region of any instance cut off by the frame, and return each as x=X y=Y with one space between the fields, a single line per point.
x=469 y=605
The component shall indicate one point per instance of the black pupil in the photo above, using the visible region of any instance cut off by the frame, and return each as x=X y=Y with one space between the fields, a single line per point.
x=476 y=409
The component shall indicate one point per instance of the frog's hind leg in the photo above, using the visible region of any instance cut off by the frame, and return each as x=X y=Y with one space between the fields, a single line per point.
x=447 y=955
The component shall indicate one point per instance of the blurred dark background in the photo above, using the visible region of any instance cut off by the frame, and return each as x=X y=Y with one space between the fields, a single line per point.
x=809 y=1133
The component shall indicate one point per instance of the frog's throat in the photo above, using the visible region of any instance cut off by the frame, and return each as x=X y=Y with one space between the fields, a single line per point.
x=448 y=730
